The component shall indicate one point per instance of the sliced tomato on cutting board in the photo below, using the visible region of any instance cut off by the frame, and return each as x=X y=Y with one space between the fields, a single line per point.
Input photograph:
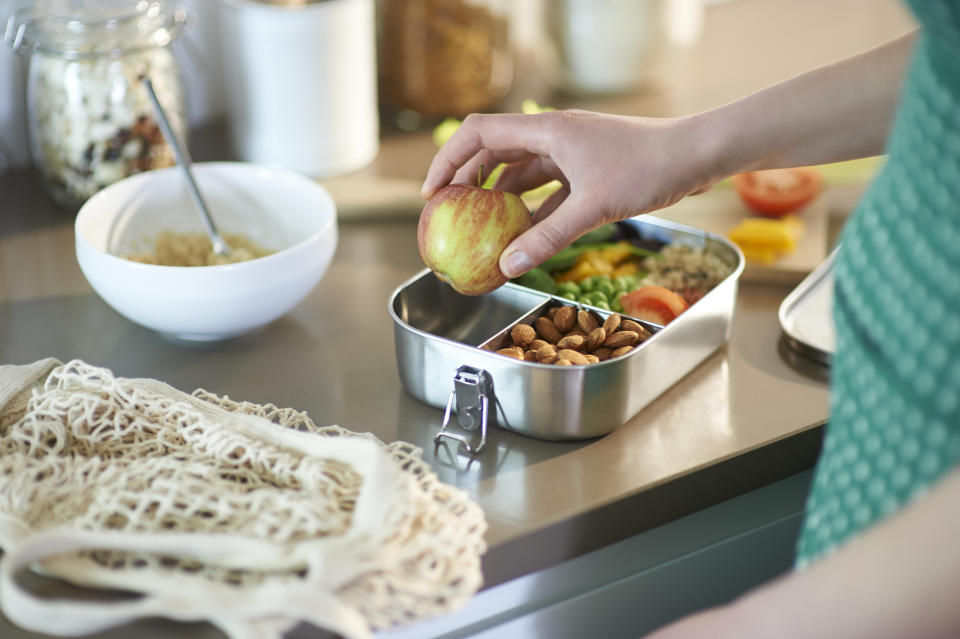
x=654 y=304
x=777 y=192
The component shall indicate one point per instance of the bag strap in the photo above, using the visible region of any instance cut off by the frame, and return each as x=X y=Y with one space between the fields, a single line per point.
x=16 y=384
x=241 y=610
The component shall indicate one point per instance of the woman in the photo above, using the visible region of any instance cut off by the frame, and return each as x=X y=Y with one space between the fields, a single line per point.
x=878 y=554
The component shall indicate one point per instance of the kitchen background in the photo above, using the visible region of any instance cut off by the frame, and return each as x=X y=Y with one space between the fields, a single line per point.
x=199 y=52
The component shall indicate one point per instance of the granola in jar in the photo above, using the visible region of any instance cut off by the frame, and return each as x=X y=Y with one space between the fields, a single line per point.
x=90 y=121
x=444 y=57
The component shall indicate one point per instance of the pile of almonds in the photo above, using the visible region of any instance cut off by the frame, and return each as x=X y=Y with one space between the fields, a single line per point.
x=566 y=336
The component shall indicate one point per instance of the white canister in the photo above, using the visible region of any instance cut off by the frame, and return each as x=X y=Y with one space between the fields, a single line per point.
x=603 y=46
x=301 y=83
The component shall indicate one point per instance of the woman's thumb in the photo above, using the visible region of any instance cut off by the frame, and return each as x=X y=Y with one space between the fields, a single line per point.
x=542 y=241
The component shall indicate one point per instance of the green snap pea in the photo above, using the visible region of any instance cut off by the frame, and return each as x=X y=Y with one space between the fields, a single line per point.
x=568 y=287
x=606 y=287
x=597 y=297
x=538 y=279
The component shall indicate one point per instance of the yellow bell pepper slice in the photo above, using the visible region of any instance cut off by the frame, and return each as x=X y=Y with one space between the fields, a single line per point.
x=577 y=273
x=616 y=253
x=764 y=239
x=629 y=268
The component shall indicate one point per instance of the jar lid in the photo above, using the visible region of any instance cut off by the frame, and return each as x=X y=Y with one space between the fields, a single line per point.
x=86 y=28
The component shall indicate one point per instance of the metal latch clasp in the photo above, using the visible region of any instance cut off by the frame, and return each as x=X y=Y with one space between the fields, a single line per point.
x=472 y=392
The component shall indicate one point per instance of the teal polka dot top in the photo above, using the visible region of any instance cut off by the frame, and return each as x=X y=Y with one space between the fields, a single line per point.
x=895 y=382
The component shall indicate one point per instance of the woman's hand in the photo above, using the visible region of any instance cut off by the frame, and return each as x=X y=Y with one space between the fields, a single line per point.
x=610 y=167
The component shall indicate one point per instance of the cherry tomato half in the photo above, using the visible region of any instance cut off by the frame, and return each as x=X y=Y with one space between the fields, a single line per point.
x=653 y=303
x=776 y=192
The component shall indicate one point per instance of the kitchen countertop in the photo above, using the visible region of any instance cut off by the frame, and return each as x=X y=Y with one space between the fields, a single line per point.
x=750 y=414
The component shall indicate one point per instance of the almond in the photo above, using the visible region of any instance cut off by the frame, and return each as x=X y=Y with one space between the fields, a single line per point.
x=572 y=341
x=587 y=321
x=547 y=352
x=547 y=330
x=523 y=334
x=564 y=362
x=530 y=356
x=513 y=351
x=612 y=323
x=566 y=318
x=630 y=325
x=574 y=356
x=575 y=331
x=536 y=344
x=621 y=338
x=623 y=350
x=636 y=327
x=603 y=353
x=551 y=312
x=596 y=338
x=592 y=359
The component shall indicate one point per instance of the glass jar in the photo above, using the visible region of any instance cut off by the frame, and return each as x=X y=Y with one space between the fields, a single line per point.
x=440 y=58
x=90 y=120
x=602 y=47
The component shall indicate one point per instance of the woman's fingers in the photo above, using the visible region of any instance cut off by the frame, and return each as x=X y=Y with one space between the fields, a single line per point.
x=528 y=174
x=508 y=135
x=469 y=173
x=489 y=160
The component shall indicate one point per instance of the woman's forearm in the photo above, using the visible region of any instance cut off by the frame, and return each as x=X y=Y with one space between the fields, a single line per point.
x=840 y=111
x=898 y=579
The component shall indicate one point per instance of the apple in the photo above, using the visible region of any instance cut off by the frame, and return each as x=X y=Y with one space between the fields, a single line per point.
x=463 y=229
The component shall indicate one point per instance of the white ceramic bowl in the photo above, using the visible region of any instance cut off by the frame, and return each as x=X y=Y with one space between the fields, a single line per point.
x=278 y=209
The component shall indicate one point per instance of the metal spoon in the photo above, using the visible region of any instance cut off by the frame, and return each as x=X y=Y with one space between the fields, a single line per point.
x=183 y=161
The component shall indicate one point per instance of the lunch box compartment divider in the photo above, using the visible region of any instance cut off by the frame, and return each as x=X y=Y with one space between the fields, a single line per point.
x=430 y=305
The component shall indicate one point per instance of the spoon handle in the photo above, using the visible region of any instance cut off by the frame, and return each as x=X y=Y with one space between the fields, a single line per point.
x=184 y=162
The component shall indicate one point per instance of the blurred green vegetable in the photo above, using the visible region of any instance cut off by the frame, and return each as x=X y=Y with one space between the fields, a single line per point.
x=606 y=287
x=596 y=297
x=443 y=131
x=568 y=287
x=597 y=235
x=539 y=279
x=563 y=260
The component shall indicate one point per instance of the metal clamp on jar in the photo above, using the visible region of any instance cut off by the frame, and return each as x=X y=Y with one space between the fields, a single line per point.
x=90 y=121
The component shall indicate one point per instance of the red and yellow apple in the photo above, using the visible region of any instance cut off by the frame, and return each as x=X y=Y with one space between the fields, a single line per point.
x=463 y=230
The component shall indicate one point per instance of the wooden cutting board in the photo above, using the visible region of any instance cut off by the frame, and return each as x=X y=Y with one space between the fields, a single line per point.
x=720 y=209
x=363 y=197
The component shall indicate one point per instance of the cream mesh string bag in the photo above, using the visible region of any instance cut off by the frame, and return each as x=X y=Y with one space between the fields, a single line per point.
x=248 y=516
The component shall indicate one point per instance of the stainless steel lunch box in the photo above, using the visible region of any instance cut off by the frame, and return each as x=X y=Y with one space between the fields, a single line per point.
x=440 y=338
